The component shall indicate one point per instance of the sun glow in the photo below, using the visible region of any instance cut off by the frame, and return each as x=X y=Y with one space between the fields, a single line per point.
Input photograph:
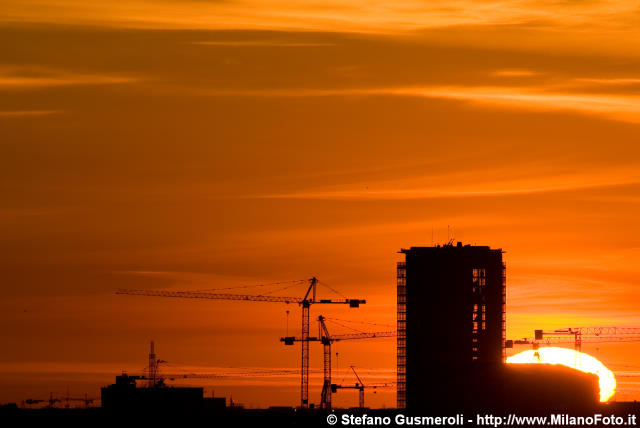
x=574 y=359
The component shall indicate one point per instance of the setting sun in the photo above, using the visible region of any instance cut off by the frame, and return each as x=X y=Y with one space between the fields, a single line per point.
x=574 y=359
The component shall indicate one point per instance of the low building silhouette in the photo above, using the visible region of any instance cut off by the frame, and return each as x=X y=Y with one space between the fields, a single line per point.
x=125 y=395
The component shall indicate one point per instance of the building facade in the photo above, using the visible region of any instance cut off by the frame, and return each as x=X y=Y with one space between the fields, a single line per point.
x=451 y=320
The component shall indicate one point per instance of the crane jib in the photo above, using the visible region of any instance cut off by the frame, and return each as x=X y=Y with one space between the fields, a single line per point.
x=353 y=303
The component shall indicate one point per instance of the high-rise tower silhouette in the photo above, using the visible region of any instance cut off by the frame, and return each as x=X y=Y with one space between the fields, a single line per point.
x=451 y=320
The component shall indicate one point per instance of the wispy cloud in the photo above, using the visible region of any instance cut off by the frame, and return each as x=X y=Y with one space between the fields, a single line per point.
x=610 y=81
x=25 y=78
x=458 y=185
x=266 y=43
x=624 y=108
x=514 y=73
x=619 y=107
x=349 y=15
x=27 y=113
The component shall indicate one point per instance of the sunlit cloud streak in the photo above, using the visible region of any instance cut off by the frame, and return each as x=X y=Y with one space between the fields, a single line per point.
x=610 y=81
x=265 y=43
x=625 y=108
x=27 y=113
x=514 y=73
x=351 y=15
x=428 y=187
x=44 y=78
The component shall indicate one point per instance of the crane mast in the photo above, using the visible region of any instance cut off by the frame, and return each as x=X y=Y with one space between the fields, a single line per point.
x=360 y=390
x=153 y=368
x=325 y=400
x=327 y=339
x=304 y=369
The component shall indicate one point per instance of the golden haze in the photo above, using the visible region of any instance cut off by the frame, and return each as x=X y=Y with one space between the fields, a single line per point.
x=203 y=144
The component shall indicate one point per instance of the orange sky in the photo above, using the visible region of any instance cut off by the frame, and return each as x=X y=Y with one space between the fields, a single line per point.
x=203 y=144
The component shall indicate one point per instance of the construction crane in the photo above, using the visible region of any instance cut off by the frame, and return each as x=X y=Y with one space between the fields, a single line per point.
x=326 y=339
x=155 y=379
x=32 y=401
x=86 y=400
x=160 y=379
x=152 y=369
x=360 y=386
x=51 y=402
x=305 y=302
x=580 y=335
x=229 y=375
